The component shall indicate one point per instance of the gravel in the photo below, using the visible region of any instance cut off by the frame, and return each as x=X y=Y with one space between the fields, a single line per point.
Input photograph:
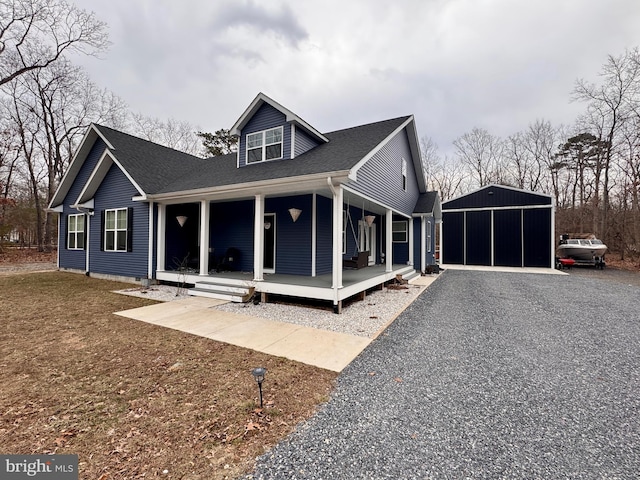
x=485 y=375
x=362 y=318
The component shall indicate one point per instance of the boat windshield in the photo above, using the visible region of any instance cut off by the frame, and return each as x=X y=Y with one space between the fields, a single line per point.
x=573 y=242
x=584 y=242
x=596 y=242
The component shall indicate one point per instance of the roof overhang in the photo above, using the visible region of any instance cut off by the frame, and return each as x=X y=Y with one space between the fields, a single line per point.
x=86 y=144
x=280 y=186
x=412 y=137
x=260 y=100
x=97 y=176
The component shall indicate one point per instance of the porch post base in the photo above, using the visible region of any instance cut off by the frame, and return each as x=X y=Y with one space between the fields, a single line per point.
x=264 y=297
x=338 y=308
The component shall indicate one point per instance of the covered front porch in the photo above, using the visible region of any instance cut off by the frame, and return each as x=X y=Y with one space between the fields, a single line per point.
x=354 y=282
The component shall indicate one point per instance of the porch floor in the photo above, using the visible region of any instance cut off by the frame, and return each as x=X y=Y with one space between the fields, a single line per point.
x=349 y=276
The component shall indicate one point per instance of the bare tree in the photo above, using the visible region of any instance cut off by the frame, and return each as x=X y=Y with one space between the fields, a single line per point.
x=34 y=34
x=171 y=133
x=610 y=104
x=481 y=153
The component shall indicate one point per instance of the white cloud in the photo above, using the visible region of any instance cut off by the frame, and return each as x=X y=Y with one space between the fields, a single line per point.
x=454 y=64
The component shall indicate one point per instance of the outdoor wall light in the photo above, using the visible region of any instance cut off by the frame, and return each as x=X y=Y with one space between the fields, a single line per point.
x=295 y=213
x=258 y=374
x=369 y=219
x=181 y=220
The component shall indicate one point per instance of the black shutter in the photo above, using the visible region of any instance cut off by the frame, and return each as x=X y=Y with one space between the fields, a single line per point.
x=129 y=229
x=102 y=220
x=66 y=234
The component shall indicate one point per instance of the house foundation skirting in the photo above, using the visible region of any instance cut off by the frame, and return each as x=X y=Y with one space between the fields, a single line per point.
x=287 y=284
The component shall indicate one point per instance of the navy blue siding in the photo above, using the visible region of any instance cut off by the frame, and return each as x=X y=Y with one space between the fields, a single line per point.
x=324 y=235
x=265 y=118
x=507 y=227
x=495 y=196
x=478 y=238
x=453 y=238
x=181 y=243
x=537 y=238
x=381 y=177
x=76 y=259
x=293 y=240
x=231 y=226
x=116 y=191
x=304 y=142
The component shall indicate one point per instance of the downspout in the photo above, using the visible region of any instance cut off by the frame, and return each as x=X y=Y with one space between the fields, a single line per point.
x=86 y=267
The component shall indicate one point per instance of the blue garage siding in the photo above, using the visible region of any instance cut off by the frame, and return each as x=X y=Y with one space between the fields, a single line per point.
x=76 y=259
x=324 y=235
x=293 y=240
x=231 y=226
x=303 y=142
x=266 y=117
x=385 y=168
x=116 y=191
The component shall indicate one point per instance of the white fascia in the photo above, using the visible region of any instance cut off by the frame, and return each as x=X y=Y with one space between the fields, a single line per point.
x=280 y=185
x=353 y=173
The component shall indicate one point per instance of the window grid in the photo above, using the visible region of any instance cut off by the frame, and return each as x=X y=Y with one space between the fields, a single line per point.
x=265 y=145
x=115 y=230
x=75 y=233
x=399 y=231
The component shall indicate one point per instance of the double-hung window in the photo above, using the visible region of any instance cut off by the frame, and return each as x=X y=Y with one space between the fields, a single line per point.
x=265 y=145
x=115 y=230
x=75 y=232
x=399 y=231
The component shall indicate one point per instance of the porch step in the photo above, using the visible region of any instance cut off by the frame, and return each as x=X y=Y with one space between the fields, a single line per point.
x=410 y=276
x=222 y=291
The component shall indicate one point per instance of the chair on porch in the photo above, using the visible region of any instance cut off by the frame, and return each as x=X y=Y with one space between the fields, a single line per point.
x=359 y=261
x=231 y=260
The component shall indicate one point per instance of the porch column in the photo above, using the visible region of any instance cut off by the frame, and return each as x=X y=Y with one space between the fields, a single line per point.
x=162 y=222
x=389 y=241
x=423 y=244
x=150 y=246
x=205 y=209
x=87 y=218
x=410 y=233
x=258 y=239
x=314 y=233
x=338 y=198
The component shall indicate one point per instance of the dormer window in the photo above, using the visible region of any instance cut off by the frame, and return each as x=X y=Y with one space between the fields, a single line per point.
x=404 y=174
x=265 y=145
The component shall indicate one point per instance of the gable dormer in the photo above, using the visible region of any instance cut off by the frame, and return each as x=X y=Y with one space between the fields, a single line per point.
x=268 y=131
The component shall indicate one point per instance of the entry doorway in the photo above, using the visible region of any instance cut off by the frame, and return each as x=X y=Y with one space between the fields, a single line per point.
x=269 y=252
x=367 y=237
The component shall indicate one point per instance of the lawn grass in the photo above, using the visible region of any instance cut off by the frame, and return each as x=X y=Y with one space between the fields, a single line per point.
x=135 y=400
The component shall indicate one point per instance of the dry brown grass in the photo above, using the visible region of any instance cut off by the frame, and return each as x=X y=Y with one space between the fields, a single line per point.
x=133 y=399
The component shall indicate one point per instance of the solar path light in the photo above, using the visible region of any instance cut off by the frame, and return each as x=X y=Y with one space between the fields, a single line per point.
x=259 y=373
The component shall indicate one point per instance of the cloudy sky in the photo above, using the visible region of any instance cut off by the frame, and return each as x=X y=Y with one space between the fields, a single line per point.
x=454 y=64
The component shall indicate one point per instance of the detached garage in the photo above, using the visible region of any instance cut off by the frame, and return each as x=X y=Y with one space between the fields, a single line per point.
x=498 y=226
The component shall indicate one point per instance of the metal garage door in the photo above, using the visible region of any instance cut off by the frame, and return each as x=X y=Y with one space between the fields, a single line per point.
x=478 y=238
x=453 y=238
x=507 y=228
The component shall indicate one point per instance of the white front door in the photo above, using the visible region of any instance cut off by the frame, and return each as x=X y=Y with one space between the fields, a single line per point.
x=368 y=240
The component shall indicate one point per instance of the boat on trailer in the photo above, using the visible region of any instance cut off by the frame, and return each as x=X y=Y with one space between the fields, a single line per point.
x=582 y=250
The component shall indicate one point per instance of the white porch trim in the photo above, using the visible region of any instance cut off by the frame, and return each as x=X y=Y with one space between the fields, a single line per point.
x=205 y=209
x=389 y=241
x=258 y=239
x=410 y=233
x=161 y=250
x=150 y=252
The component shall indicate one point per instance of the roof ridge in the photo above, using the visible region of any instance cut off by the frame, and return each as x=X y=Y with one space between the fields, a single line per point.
x=402 y=118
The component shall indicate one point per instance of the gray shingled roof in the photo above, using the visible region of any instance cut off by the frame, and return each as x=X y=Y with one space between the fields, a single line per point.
x=426 y=202
x=159 y=169
x=152 y=166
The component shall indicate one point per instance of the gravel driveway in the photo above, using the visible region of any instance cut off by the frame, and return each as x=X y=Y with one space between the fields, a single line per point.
x=486 y=375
